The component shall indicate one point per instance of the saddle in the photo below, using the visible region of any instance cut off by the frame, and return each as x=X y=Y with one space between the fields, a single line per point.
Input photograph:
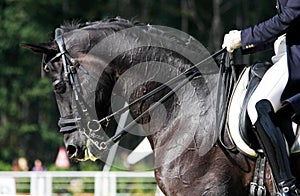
x=238 y=122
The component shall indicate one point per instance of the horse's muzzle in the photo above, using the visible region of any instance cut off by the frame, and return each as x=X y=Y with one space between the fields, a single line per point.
x=75 y=153
x=75 y=144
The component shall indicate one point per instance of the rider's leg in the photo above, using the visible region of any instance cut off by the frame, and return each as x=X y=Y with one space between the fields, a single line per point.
x=273 y=144
x=270 y=136
x=284 y=121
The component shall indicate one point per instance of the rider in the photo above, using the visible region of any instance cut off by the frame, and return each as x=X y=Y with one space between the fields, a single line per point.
x=280 y=85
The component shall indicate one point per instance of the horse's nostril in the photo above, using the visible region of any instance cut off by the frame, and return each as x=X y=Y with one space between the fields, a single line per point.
x=71 y=150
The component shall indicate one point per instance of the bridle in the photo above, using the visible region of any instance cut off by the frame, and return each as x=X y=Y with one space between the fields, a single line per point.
x=81 y=117
x=66 y=123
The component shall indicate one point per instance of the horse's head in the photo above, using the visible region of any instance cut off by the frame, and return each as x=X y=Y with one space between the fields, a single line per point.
x=62 y=58
x=54 y=67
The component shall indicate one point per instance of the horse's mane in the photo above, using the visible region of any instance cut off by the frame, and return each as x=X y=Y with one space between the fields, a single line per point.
x=112 y=22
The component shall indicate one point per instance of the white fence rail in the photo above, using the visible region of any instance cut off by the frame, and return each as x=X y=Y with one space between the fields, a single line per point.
x=69 y=183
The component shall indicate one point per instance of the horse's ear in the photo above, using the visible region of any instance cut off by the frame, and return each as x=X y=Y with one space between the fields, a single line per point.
x=44 y=48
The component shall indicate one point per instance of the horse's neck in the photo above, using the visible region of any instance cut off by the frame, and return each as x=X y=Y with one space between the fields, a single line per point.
x=184 y=125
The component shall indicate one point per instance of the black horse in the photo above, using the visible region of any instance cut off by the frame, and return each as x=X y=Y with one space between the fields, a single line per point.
x=152 y=70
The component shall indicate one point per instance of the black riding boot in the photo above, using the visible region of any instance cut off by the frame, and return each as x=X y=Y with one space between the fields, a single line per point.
x=273 y=144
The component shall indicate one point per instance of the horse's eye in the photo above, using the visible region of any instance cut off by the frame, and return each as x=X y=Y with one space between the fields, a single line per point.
x=60 y=87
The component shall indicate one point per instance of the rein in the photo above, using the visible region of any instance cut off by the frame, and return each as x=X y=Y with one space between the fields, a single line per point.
x=192 y=70
x=83 y=111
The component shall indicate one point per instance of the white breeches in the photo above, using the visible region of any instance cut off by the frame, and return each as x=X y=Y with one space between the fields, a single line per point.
x=273 y=82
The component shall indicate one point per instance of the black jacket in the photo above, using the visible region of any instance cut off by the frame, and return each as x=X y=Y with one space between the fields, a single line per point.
x=263 y=35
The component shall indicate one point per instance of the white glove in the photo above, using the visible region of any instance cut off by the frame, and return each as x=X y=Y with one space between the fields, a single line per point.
x=232 y=40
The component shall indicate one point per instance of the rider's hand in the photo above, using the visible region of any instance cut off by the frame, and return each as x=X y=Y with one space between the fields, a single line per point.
x=232 y=40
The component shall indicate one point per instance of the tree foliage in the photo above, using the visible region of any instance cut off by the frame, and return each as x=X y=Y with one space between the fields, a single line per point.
x=28 y=113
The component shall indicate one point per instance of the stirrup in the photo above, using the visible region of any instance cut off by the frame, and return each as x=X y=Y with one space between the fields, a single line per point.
x=288 y=189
